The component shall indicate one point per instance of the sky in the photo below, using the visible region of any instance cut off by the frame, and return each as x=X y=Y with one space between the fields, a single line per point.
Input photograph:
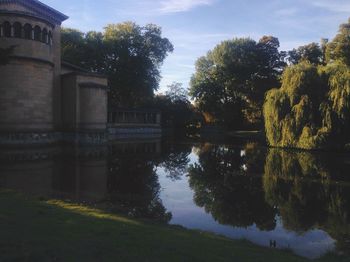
x=196 y=26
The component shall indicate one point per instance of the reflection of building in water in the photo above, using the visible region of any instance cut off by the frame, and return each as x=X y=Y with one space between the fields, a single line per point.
x=80 y=173
x=56 y=172
x=133 y=182
x=122 y=176
x=30 y=171
x=132 y=147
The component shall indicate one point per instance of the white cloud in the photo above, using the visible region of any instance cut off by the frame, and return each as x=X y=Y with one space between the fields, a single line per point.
x=175 y=6
x=338 y=6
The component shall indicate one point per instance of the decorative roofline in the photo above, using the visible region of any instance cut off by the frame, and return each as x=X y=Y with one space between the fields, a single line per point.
x=27 y=14
x=36 y=6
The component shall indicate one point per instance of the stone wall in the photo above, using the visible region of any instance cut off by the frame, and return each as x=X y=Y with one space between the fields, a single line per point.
x=79 y=173
x=26 y=96
x=26 y=83
x=84 y=102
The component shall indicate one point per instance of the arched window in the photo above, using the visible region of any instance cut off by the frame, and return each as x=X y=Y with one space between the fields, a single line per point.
x=17 y=30
x=50 y=38
x=37 y=33
x=7 y=29
x=28 y=31
x=44 y=36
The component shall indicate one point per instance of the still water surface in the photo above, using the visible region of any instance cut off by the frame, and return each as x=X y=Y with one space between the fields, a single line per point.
x=238 y=189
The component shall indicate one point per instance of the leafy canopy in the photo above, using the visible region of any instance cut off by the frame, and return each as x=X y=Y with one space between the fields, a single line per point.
x=129 y=54
x=312 y=108
x=230 y=81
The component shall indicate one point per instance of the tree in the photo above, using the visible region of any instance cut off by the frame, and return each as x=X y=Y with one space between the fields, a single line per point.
x=176 y=92
x=339 y=47
x=311 y=52
x=234 y=76
x=312 y=108
x=129 y=54
x=73 y=46
x=177 y=110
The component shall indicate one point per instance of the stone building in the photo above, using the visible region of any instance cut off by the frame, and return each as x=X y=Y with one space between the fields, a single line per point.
x=43 y=100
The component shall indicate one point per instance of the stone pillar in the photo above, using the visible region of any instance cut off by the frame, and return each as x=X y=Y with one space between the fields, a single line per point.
x=57 y=92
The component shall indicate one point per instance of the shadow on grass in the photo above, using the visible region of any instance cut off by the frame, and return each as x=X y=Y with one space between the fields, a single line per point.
x=52 y=230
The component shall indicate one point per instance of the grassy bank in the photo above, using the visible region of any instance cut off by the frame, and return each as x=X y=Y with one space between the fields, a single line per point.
x=33 y=230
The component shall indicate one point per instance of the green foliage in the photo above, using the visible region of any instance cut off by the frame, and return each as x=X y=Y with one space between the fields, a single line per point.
x=231 y=80
x=311 y=52
x=176 y=92
x=339 y=48
x=129 y=54
x=311 y=109
x=177 y=111
x=339 y=93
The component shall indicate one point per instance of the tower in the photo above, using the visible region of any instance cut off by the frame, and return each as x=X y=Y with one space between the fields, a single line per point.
x=30 y=88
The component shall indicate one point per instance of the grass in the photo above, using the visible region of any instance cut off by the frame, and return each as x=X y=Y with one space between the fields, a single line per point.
x=33 y=230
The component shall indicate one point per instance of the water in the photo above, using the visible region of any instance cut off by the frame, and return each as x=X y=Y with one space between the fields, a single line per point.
x=238 y=189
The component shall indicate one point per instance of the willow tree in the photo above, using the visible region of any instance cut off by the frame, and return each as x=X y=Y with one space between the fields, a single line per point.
x=339 y=47
x=312 y=108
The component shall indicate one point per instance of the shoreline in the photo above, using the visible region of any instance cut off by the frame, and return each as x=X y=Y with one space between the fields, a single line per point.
x=78 y=232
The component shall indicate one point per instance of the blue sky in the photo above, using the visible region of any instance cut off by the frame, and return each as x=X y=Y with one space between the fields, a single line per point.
x=196 y=26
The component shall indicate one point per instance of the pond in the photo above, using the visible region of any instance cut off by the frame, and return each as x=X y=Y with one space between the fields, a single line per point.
x=297 y=200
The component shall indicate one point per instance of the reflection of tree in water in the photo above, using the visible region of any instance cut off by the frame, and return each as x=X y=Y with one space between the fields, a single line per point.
x=223 y=186
x=306 y=189
x=134 y=187
x=176 y=160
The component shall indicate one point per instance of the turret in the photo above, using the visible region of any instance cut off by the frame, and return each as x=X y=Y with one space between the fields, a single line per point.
x=30 y=82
